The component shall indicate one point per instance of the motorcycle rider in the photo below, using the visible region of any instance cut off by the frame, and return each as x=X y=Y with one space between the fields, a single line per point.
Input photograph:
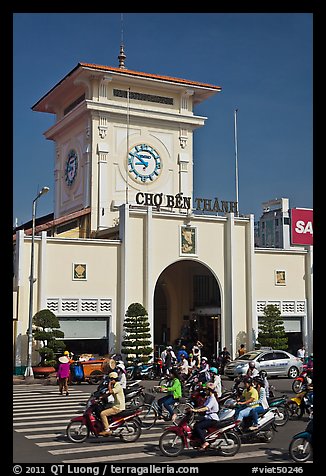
x=263 y=375
x=211 y=409
x=121 y=371
x=181 y=352
x=252 y=371
x=247 y=401
x=262 y=402
x=216 y=380
x=174 y=393
x=169 y=359
x=204 y=375
x=224 y=359
x=115 y=389
x=183 y=368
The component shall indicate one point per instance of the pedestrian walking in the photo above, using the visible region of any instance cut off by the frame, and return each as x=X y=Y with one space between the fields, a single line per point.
x=63 y=374
x=242 y=350
x=301 y=353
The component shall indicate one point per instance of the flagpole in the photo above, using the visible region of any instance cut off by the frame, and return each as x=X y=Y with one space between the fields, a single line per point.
x=236 y=162
x=128 y=120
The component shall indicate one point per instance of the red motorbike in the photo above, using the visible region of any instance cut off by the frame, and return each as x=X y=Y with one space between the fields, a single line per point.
x=304 y=379
x=125 y=425
x=220 y=436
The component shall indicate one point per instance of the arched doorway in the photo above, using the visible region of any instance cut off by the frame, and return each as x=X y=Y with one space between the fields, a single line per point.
x=187 y=307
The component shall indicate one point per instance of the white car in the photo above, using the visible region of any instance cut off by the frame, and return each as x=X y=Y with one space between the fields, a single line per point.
x=277 y=363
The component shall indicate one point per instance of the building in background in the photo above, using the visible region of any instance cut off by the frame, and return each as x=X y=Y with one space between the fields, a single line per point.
x=282 y=227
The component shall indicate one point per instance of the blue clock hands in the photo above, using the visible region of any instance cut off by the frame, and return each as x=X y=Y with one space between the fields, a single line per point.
x=141 y=160
x=144 y=163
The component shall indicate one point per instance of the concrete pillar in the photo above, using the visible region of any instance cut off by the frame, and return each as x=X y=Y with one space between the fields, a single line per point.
x=252 y=320
x=229 y=337
x=148 y=281
x=123 y=235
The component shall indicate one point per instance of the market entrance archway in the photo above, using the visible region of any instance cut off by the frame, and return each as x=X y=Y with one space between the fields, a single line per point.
x=187 y=307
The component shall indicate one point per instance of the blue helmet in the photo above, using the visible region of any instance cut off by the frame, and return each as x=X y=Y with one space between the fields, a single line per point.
x=214 y=370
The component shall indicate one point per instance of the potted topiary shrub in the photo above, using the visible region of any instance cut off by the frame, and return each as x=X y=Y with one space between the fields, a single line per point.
x=46 y=330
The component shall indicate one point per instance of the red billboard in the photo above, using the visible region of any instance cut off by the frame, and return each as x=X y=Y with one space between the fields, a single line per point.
x=301 y=226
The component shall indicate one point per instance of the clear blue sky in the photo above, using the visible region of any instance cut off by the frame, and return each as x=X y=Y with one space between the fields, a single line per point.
x=262 y=61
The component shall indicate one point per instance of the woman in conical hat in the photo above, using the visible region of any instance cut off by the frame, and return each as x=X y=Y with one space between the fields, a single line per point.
x=63 y=374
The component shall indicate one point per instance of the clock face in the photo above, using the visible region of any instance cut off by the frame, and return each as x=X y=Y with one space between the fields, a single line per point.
x=71 y=167
x=144 y=163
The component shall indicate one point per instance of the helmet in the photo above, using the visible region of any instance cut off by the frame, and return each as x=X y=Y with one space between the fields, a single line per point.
x=252 y=365
x=190 y=355
x=204 y=358
x=120 y=366
x=214 y=370
x=169 y=347
x=210 y=385
x=260 y=381
x=263 y=374
x=113 y=375
x=248 y=380
x=66 y=352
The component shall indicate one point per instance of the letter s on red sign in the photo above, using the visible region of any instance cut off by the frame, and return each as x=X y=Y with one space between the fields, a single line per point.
x=301 y=226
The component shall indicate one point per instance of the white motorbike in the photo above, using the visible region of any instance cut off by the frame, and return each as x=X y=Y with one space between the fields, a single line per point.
x=266 y=422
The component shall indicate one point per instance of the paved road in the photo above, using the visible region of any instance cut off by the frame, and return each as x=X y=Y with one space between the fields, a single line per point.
x=41 y=416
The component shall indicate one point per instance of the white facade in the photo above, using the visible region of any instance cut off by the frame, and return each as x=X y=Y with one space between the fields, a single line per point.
x=182 y=267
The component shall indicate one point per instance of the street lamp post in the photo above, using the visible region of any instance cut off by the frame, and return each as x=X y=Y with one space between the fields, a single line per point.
x=29 y=370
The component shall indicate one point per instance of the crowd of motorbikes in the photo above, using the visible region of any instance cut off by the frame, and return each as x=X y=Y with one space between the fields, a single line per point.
x=225 y=436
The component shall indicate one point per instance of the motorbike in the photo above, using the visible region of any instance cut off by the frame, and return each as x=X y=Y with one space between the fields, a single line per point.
x=124 y=425
x=266 y=423
x=158 y=367
x=236 y=391
x=141 y=371
x=134 y=392
x=188 y=385
x=300 y=404
x=300 y=447
x=280 y=408
x=220 y=436
x=304 y=379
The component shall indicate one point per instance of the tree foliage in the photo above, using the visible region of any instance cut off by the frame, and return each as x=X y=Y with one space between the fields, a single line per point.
x=271 y=329
x=47 y=331
x=137 y=337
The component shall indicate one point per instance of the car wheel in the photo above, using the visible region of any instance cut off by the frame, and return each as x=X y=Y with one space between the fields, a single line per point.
x=293 y=372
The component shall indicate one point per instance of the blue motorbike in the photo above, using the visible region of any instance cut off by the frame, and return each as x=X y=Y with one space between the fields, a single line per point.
x=300 y=448
x=140 y=371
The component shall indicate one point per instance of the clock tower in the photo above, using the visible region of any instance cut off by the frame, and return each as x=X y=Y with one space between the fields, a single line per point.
x=119 y=132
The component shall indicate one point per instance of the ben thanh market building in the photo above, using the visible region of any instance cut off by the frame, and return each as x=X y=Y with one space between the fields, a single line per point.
x=126 y=227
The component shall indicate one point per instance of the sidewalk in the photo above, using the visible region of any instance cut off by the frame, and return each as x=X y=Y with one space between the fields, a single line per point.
x=20 y=379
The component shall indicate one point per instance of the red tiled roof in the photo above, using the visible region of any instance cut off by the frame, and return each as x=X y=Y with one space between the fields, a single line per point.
x=149 y=75
x=55 y=222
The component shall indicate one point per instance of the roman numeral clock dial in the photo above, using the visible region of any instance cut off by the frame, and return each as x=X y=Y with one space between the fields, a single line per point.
x=144 y=163
x=71 y=168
